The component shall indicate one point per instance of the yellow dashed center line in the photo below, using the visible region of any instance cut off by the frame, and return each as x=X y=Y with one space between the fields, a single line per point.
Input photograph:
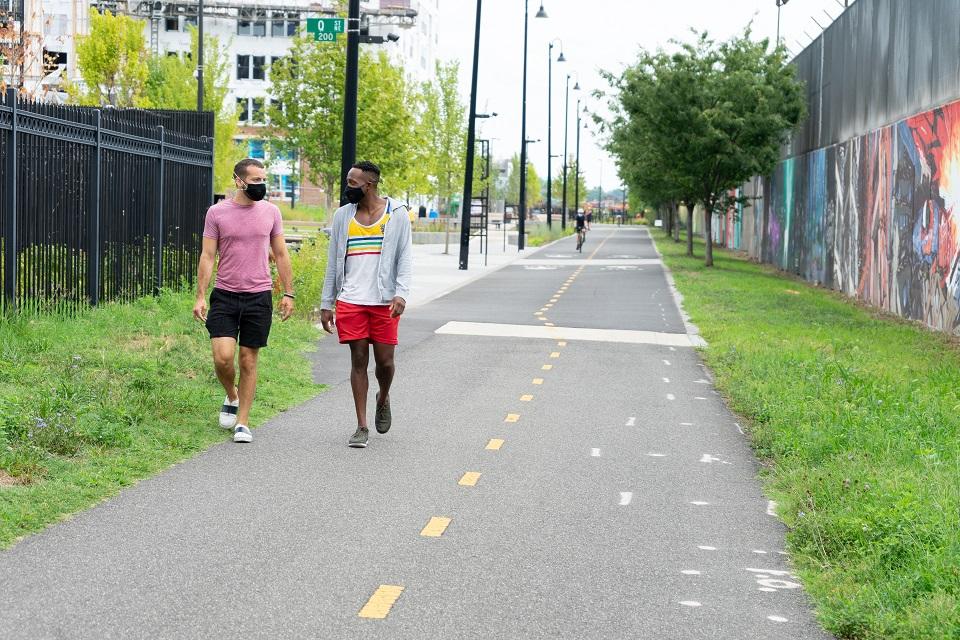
x=380 y=603
x=555 y=354
x=538 y=381
x=494 y=444
x=547 y=367
x=435 y=527
x=469 y=479
x=549 y=324
x=538 y=313
x=526 y=397
x=561 y=344
x=512 y=417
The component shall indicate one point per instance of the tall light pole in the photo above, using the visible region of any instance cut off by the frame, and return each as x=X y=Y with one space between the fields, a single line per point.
x=349 y=140
x=560 y=58
x=523 y=128
x=566 y=126
x=467 y=202
x=200 y=55
x=780 y=3
x=576 y=175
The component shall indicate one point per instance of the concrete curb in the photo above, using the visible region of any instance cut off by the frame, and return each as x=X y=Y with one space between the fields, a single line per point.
x=692 y=329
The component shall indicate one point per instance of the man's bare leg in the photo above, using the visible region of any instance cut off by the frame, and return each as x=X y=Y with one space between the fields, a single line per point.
x=383 y=357
x=248 y=382
x=359 y=382
x=224 y=350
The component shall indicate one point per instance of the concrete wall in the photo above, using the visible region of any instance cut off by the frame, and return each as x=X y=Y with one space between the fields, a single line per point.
x=867 y=197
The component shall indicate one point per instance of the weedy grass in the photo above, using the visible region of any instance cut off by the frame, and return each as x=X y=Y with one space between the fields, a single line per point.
x=93 y=403
x=857 y=417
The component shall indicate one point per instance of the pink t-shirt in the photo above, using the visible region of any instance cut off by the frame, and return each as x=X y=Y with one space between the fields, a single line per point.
x=243 y=234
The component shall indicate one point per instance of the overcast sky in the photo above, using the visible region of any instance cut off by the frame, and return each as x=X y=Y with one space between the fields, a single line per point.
x=599 y=34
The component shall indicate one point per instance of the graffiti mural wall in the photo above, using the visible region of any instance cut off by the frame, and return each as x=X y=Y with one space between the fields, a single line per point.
x=876 y=217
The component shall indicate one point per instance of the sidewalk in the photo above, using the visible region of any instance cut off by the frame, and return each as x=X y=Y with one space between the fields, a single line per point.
x=436 y=274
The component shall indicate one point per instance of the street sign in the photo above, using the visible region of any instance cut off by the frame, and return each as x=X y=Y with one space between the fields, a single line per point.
x=325 y=29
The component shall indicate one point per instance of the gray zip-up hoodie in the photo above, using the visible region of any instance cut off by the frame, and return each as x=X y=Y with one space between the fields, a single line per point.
x=395 y=273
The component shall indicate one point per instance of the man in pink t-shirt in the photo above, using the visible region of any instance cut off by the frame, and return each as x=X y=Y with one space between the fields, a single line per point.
x=242 y=231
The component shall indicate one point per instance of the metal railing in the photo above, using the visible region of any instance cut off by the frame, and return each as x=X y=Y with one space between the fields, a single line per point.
x=99 y=204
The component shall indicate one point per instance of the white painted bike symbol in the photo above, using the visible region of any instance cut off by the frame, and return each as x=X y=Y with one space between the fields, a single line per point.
x=771 y=580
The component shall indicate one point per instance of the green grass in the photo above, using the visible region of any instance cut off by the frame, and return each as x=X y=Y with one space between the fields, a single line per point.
x=857 y=416
x=302 y=212
x=540 y=235
x=91 y=404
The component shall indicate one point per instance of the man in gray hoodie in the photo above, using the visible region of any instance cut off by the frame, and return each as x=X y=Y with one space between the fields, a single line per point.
x=365 y=291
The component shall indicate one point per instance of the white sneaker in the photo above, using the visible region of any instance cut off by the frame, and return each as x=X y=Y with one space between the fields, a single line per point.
x=228 y=413
x=242 y=434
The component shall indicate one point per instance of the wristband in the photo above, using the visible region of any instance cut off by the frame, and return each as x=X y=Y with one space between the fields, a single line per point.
x=290 y=295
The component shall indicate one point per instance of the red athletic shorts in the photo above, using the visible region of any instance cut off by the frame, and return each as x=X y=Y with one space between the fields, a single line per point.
x=359 y=322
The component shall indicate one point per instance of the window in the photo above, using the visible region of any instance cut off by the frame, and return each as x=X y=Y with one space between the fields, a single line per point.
x=278 y=26
x=255 y=149
x=293 y=21
x=252 y=23
x=243 y=67
x=52 y=60
x=259 y=62
x=256 y=112
x=243 y=109
x=171 y=23
x=260 y=23
x=189 y=20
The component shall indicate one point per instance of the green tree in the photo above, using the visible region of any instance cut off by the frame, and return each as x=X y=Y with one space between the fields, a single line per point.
x=113 y=62
x=306 y=113
x=571 y=187
x=533 y=186
x=171 y=84
x=696 y=124
x=442 y=131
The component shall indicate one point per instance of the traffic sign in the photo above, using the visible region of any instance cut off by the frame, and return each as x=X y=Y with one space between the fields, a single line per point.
x=325 y=29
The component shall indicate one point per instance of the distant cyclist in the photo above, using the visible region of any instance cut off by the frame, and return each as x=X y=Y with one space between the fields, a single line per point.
x=581 y=226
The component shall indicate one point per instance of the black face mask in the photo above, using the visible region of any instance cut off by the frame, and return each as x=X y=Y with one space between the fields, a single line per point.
x=353 y=194
x=256 y=192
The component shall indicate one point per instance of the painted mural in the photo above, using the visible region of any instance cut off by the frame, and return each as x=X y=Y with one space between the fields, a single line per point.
x=876 y=217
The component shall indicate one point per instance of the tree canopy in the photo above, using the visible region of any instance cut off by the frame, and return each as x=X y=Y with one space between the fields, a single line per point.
x=695 y=124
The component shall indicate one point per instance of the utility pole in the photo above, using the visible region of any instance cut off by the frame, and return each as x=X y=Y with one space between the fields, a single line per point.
x=576 y=175
x=467 y=204
x=566 y=126
x=349 y=145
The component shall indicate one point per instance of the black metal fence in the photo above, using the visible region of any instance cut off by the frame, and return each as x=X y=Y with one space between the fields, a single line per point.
x=99 y=204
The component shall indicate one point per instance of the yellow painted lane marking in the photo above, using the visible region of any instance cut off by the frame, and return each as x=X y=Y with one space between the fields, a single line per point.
x=526 y=397
x=380 y=603
x=547 y=367
x=494 y=444
x=435 y=527
x=538 y=313
x=555 y=354
x=548 y=305
x=469 y=479
x=549 y=324
x=561 y=344
x=512 y=417
x=538 y=381
x=554 y=299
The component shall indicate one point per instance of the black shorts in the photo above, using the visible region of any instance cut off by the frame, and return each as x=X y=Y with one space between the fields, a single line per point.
x=247 y=315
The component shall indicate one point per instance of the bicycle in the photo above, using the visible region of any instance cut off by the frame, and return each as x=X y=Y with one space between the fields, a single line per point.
x=581 y=238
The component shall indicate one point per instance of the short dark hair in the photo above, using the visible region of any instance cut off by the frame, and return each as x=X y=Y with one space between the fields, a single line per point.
x=368 y=167
x=240 y=169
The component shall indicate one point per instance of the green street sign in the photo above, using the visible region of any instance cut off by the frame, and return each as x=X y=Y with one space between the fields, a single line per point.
x=325 y=29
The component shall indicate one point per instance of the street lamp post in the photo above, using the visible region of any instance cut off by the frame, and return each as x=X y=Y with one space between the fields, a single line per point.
x=200 y=55
x=780 y=3
x=560 y=58
x=523 y=127
x=471 y=136
x=349 y=140
x=576 y=174
x=566 y=126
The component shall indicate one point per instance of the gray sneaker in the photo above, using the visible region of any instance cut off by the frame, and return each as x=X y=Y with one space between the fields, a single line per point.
x=384 y=418
x=359 y=439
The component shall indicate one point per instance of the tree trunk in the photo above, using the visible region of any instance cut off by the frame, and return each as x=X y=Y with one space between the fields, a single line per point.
x=708 y=235
x=667 y=216
x=690 y=230
x=676 y=222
